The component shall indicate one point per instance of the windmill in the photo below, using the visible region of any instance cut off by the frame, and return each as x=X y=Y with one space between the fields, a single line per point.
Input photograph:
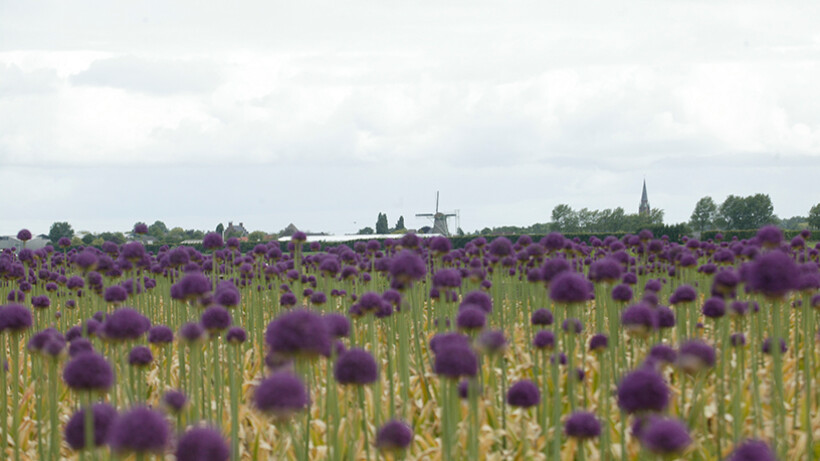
x=439 y=220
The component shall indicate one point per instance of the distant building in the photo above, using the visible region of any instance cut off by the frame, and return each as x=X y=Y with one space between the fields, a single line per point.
x=235 y=231
x=39 y=241
x=643 y=209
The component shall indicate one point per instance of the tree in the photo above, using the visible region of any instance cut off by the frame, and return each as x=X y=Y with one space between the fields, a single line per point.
x=366 y=231
x=814 y=217
x=400 y=223
x=59 y=230
x=564 y=219
x=703 y=217
x=257 y=236
x=220 y=228
x=750 y=212
x=88 y=239
x=158 y=229
x=381 y=224
x=115 y=237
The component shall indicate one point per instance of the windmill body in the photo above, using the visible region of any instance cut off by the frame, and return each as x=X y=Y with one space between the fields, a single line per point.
x=439 y=220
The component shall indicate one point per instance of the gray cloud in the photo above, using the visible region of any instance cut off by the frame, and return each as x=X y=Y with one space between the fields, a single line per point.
x=152 y=76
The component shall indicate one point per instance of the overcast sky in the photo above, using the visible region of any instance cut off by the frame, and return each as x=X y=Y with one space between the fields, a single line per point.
x=325 y=114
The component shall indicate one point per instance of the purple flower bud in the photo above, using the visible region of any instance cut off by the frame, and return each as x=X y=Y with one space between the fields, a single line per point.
x=524 y=394
x=666 y=436
x=582 y=425
x=236 y=335
x=542 y=317
x=202 y=444
x=140 y=356
x=643 y=390
x=281 y=395
x=394 y=436
x=356 y=366
x=299 y=332
x=88 y=372
x=174 y=400
x=104 y=416
x=752 y=450
x=141 y=430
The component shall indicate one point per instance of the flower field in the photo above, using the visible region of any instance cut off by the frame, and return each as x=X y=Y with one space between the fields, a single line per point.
x=636 y=348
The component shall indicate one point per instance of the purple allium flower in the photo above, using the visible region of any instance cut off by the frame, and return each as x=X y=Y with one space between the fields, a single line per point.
x=767 y=346
x=471 y=318
x=287 y=299
x=553 y=267
x=752 y=450
x=92 y=326
x=38 y=340
x=643 y=390
x=140 y=356
x=104 y=416
x=663 y=353
x=115 y=294
x=132 y=251
x=227 y=297
x=194 y=285
x=569 y=287
x=605 y=270
x=442 y=340
x=500 y=247
x=544 y=339
x=479 y=298
x=191 y=331
x=542 y=317
x=622 y=293
x=236 y=335
x=160 y=334
x=454 y=360
x=174 y=400
x=639 y=319
x=524 y=394
x=774 y=274
x=79 y=346
x=212 y=241
x=299 y=332
x=74 y=333
x=281 y=394
x=407 y=267
x=15 y=318
x=653 y=285
x=318 y=298
x=683 y=294
x=125 y=323
x=88 y=372
x=696 y=355
x=769 y=236
x=666 y=436
x=598 y=342
x=447 y=278
x=356 y=366
x=665 y=317
x=714 y=308
x=394 y=436
x=140 y=228
x=202 y=444
x=24 y=235
x=492 y=341
x=140 y=430
x=337 y=325
x=216 y=318
x=582 y=425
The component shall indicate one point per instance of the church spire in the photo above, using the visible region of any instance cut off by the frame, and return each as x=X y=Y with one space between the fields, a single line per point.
x=643 y=210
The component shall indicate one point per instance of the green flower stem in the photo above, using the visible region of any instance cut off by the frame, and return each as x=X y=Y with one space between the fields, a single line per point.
x=14 y=347
x=362 y=407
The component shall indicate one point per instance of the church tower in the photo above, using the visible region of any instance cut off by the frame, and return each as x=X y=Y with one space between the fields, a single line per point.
x=643 y=210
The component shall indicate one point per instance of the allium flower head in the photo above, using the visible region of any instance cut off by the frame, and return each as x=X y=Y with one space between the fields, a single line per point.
x=767 y=346
x=281 y=394
x=125 y=323
x=544 y=339
x=194 y=285
x=666 y=436
x=492 y=341
x=337 y=325
x=140 y=356
x=582 y=425
x=523 y=394
x=605 y=270
x=14 y=318
x=299 y=332
x=774 y=274
x=115 y=294
x=174 y=400
x=752 y=450
x=714 y=308
x=639 y=319
x=78 y=346
x=478 y=298
x=236 y=335
x=570 y=287
x=202 y=444
x=598 y=342
x=394 y=436
x=447 y=278
x=622 y=293
x=140 y=430
x=191 y=331
x=407 y=267
x=160 y=334
x=24 y=235
x=683 y=294
x=695 y=355
x=212 y=241
x=769 y=236
x=541 y=317
x=216 y=318
x=88 y=371
x=500 y=247
x=104 y=416
x=356 y=366
x=471 y=318
x=454 y=360
x=643 y=390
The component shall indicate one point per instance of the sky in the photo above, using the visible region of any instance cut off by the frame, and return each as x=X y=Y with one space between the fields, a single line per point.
x=325 y=113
